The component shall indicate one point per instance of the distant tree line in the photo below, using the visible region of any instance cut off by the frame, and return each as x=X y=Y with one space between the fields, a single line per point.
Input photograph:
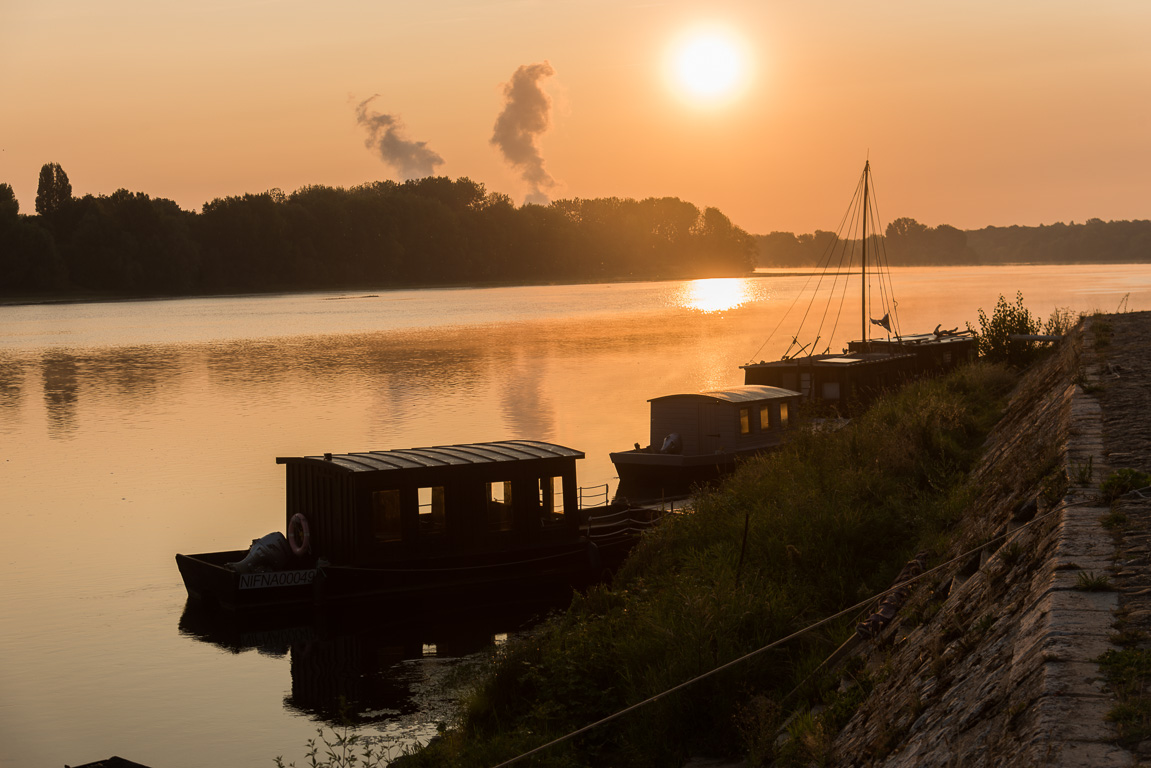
x=430 y=231
x=906 y=242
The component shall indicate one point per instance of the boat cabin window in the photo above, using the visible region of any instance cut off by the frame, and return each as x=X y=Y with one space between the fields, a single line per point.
x=500 y=506
x=764 y=418
x=745 y=421
x=551 y=500
x=782 y=415
x=386 y=524
x=805 y=384
x=431 y=517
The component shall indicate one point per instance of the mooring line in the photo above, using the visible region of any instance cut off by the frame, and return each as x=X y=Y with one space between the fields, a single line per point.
x=858 y=606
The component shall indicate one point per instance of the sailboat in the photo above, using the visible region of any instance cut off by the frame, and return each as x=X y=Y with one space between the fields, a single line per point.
x=850 y=380
x=699 y=437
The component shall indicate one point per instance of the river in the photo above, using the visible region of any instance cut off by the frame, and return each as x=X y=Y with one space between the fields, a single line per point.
x=135 y=430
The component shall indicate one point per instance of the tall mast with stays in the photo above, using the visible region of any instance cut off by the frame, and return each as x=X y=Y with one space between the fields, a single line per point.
x=866 y=168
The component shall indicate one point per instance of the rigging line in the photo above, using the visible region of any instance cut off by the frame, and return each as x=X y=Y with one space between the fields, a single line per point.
x=827 y=620
x=880 y=273
x=859 y=210
x=826 y=263
x=882 y=242
x=820 y=271
x=848 y=256
x=802 y=291
x=883 y=276
x=846 y=225
x=846 y=283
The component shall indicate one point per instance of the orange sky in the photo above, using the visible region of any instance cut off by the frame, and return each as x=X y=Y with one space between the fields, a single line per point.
x=973 y=113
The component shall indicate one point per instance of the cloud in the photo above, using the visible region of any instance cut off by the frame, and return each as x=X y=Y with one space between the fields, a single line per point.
x=411 y=159
x=525 y=117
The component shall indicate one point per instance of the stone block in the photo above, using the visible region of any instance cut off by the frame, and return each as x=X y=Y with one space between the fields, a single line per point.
x=1080 y=678
x=1075 y=718
x=1060 y=753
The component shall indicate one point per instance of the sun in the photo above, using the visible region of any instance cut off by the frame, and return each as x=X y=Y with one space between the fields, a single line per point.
x=708 y=65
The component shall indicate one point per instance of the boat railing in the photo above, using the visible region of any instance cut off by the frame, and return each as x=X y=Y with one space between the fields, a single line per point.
x=593 y=495
x=621 y=522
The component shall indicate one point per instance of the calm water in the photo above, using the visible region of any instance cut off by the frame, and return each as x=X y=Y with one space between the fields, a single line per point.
x=134 y=430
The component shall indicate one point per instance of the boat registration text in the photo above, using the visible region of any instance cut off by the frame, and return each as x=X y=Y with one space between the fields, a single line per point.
x=276 y=579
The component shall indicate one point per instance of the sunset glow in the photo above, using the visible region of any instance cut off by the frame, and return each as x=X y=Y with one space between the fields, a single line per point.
x=716 y=294
x=709 y=66
x=972 y=114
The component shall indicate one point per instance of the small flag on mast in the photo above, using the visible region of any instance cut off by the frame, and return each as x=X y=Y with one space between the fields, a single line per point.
x=883 y=322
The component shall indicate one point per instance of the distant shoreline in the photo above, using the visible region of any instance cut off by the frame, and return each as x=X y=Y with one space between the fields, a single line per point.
x=364 y=292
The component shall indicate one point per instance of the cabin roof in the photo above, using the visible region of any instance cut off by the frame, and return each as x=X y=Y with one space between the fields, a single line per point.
x=929 y=339
x=850 y=358
x=499 y=452
x=742 y=394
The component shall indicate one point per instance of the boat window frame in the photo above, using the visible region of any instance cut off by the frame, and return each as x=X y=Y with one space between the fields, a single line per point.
x=553 y=486
x=432 y=523
x=384 y=533
x=501 y=511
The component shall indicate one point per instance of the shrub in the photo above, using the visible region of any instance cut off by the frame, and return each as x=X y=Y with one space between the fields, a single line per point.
x=1123 y=481
x=993 y=340
x=831 y=519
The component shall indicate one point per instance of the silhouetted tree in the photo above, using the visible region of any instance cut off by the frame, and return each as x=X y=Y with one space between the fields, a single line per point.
x=9 y=205
x=54 y=190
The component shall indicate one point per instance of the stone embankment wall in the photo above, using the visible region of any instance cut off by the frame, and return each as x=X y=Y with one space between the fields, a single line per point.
x=991 y=663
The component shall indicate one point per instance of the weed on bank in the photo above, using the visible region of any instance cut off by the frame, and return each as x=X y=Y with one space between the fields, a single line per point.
x=791 y=538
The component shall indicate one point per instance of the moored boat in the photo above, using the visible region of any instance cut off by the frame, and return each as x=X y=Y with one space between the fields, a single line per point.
x=441 y=523
x=851 y=379
x=698 y=437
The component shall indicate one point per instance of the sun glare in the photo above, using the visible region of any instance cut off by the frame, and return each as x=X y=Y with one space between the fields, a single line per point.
x=708 y=66
x=715 y=294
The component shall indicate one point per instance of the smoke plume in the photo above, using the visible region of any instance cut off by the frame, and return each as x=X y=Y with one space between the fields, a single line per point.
x=411 y=159
x=526 y=113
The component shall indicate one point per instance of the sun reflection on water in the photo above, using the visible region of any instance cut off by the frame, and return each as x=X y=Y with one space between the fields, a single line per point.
x=715 y=294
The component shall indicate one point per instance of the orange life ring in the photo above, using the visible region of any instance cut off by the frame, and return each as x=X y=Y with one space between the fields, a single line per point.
x=299 y=536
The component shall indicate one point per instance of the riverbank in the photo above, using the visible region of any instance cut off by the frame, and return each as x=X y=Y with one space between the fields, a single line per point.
x=1005 y=670
x=791 y=539
x=994 y=659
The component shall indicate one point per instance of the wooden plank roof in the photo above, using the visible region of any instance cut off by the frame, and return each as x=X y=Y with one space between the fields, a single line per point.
x=745 y=393
x=499 y=452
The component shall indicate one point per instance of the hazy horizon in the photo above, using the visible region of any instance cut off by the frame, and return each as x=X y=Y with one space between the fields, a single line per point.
x=972 y=114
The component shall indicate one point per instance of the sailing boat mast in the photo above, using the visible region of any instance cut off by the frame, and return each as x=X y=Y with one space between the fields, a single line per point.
x=866 y=168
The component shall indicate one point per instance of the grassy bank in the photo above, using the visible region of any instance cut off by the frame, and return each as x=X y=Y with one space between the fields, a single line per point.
x=790 y=539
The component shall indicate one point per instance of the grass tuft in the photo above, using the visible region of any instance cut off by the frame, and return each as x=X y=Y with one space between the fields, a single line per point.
x=832 y=518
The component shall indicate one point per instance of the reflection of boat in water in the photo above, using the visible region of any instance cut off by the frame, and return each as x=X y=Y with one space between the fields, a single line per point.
x=853 y=378
x=697 y=438
x=365 y=666
x=450 y=523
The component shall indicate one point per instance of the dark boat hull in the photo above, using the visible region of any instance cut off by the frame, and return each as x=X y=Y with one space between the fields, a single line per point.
x=448 y=579
x=609 y=533
x=646 y=476
x=209 y=580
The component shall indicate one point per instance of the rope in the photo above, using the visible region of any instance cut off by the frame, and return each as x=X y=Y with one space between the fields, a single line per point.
x=858 y=606
x=823 y=266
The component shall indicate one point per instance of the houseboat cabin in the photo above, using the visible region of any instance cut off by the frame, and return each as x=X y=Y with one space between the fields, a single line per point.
x=365 y=509
x=866 y=369
x=845 y=381
x=697 y=437
x=457 y=522
x=935 y=353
